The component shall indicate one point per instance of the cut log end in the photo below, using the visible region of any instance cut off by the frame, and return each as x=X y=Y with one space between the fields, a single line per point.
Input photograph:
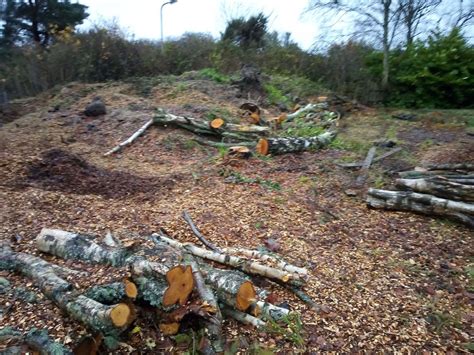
x=255 y=117
x=262 y=147
x=246 y=296
x=240 y=151
x=130 y=289
x=121 y=314
x=181 y=283
x=217 y=123
x=169 y=328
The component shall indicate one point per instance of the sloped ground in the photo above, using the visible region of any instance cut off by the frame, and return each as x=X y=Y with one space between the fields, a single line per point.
x=386 y=280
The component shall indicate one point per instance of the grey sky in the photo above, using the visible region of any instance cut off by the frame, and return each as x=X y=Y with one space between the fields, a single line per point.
x=142 y=17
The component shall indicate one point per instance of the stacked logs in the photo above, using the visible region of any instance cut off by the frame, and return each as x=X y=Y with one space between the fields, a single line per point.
x=172 y=277
x=445 y=190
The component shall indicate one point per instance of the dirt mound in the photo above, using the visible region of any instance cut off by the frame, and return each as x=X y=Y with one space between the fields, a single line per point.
x=59 y=170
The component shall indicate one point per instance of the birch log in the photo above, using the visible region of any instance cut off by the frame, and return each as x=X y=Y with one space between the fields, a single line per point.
x=440 y=187
x=243 y=317
x=421 y=203
x=245 y=265
x=168 y=270
x=132 y=138
x=109 y=320
x=277 y=146
x=275 y=262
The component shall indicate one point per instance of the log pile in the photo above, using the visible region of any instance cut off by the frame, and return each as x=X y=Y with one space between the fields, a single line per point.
x=444 y=190
x=174 y=278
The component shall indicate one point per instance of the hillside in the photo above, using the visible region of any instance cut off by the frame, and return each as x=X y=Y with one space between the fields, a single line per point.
x=385 y=280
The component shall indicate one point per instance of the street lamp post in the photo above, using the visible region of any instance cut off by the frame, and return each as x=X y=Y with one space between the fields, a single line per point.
x=161 y=23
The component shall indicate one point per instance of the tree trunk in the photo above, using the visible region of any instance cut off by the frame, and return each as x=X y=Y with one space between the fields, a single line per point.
x=386 y=45
x=113 y=292
x=109 y=320
x=277 y=146
x=79 y=247
x=421 y=203
x=440 y=187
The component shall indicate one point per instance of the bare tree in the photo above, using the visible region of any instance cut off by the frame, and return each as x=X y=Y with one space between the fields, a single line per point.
x=380 y=18
x=412 y=12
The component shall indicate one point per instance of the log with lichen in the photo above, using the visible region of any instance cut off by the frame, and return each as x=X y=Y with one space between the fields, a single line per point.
x=107 y=319
x=276 y=146
x=168 y=271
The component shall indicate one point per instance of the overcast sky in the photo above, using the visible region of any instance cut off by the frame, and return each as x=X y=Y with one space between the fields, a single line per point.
x=142 y=17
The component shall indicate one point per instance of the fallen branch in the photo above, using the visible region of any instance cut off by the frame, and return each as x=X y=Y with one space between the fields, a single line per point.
x=366 y=166
x=277 y=146
x=376 y=159
x=198 y=234
x=456 y=166
x=304 y=110
x=132 y=138
x=243 y=317
x=234 y=261
x=421 y=203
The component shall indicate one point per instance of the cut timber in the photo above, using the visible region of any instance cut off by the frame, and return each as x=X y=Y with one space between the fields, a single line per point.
x=440 y=187
x=245 y=265
x=270 y=311
x=240 y=151
x=181 y=284
x=217 y=123
x=110 y=320
x=113 y=292
x=214 y=326
x=458 y=166
x=243 y=317
x=80 y=247
x=366 y=166
x=131 y=139
x=421 y=203
x=276 y=146
x=222 y=144
x=37 y=340
x=169 y=328
x=303 y=111
x=277 y=263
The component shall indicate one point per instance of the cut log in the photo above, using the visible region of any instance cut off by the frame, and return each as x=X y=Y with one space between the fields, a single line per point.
x=269 y=311
x=239 y=151
x=132 y=138
x=109 y=320
x=222 y=144
x=243 y=317
x=217 y=123
x=277 y=263
x=366 y=166
x=453 y=167
x=113 y=292
x=214 y=326
x=245 y=265
x=416 y=174
x=421 y=203
x=37 y=340
x=440 y=187
x=80 y=247
x=307 y=109
x=276 y=146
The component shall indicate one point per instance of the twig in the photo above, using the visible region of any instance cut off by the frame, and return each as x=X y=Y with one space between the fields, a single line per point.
x=377 y=159
x=131 y=139
x=198 y=234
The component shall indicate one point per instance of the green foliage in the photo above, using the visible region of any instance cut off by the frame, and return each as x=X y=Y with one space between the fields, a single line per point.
x=246 y=32
x=41 y=20
x=275 y=96
x=289 y=327
x=297 y=86
x=438 y=73
x=213 y=74
x=300 y=127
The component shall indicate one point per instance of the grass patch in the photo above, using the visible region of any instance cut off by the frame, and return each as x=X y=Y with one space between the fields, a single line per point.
x=214 y=75
x=289 y=327
x=143 y=86
x=275 y=96
x=301 y=128
x=351 y=145
x=220 y=112
x=295 y=86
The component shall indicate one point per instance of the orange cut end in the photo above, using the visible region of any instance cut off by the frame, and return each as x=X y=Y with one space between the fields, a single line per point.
x=255 y=117
x=262 y=147
x=282 y=118
x=120 y=314
x=130 y=289
x=217 y=123
x=169 y=328
x=246 y=296
x=181 y=283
